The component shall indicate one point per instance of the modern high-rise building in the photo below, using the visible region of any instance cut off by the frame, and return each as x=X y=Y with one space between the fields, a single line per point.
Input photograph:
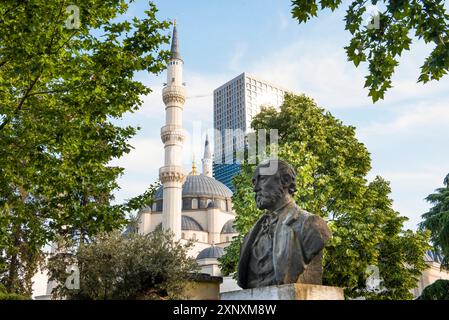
x=235 y=104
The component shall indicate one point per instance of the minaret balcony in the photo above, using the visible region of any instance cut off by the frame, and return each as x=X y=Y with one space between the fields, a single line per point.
x=174 y=174
x=174 y=94
x=172 y=133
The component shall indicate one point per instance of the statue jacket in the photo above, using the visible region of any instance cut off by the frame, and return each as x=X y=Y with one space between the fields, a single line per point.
x=299 y=237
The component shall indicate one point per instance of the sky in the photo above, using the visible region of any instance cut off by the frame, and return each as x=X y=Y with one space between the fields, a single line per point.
x=406 y=133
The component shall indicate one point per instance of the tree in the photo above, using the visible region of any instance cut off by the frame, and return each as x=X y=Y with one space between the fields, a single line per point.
x=331 y=168
x=437 y=221
x=439 y=290
x=4 y=295
x=151 y=266
x=66 y=76
x=388 y=35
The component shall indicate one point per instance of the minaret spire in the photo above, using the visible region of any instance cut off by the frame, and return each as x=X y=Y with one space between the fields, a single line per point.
x=207 y=159
x=175 y=54
x=172 y=175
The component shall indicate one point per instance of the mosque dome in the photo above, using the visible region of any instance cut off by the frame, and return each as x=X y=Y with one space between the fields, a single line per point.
x=201 y=186
x=212 y=252
x=187 y=223
x=432 y=256
x=229 y=227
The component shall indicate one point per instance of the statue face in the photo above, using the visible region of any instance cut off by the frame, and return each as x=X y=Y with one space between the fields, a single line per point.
x=268 y=189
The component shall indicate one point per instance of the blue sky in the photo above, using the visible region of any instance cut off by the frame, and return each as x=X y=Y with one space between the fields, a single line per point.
x=406 y=133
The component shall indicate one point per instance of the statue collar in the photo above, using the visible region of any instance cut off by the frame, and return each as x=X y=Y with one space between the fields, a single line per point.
x=280 y=210
x=288 y=214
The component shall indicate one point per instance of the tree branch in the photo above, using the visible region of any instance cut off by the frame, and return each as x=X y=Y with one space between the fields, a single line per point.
x=22 y=101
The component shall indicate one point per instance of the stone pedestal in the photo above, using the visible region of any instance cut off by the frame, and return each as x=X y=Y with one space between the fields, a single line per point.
x=294 y=291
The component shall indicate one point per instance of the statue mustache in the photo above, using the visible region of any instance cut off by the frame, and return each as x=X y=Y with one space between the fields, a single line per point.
x=274 y=193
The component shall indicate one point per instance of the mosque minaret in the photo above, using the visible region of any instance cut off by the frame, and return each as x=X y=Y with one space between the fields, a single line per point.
x=172 y=175
x=207 y=159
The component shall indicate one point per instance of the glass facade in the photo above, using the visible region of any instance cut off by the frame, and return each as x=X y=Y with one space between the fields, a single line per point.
x=225 y=172
x=235 y=104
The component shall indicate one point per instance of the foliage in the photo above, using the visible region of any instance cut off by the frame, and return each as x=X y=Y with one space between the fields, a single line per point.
x=10 y=296
x=62 y=90
x=439 y=290
x=247 y=214
x=331 y=166
x=381 y=44
x=151 y=266
x=437 y=221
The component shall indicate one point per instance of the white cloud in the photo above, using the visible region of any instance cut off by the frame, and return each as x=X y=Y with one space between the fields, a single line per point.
x=284 y=20
x=320 y=69
x=239 y=52
x=146 y=155
x=410 y=188
x=426 y=116
x=152 y=107
x=199 y=103
x=317 y=70
x=141 y=166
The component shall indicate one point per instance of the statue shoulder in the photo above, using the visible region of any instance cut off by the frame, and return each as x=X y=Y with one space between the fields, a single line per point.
x=308 y=224
x=313 y=233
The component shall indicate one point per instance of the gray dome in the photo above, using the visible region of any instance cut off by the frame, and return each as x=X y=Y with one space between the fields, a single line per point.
x=229 y=227
x=188 y=223
x=200 y=186
x=210 y=253
x=432 y=256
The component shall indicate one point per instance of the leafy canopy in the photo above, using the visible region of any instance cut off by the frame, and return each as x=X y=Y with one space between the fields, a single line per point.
x=439 y=290
x=437 y=221
x=62 y=88
x=152 y=266
x=388 y=33
x=331 y=166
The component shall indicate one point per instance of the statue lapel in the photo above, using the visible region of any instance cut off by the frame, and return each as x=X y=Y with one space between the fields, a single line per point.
x=245 y=251
x=284 y=253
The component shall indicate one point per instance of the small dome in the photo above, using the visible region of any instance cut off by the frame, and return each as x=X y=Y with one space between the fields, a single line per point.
x=229 y=227
x=200 y=186
x=212 y=252
x=188 y=223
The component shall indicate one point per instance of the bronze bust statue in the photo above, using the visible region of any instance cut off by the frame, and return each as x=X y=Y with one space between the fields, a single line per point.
x=285 y=245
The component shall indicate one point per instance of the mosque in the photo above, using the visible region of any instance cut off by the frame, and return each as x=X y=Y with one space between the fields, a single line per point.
x=206 y=215
x=194 y=205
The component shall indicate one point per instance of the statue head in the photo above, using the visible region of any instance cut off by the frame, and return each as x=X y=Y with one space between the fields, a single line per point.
x=274 y=183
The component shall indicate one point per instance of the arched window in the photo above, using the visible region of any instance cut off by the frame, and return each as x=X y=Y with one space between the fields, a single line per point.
x=227 y=239
x=194 y=203
x=183 y=236
x=194 y=236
